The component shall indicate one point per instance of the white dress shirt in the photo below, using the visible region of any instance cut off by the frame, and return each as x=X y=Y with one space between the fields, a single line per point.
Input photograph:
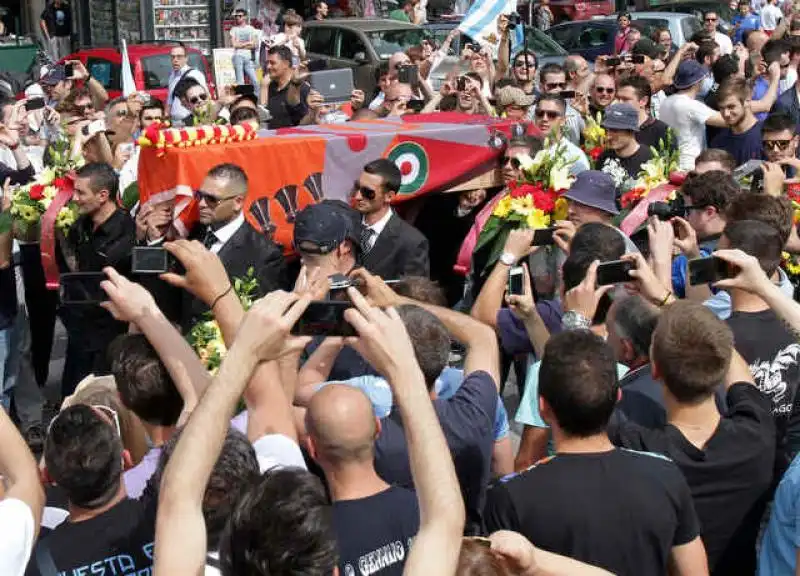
x=176 y=109
x=378 y=227
x=225 y=233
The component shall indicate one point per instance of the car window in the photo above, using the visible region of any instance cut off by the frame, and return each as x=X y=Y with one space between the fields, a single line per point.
x=594 y=37
x=651 y=25
x=691 y=26
x=563 y=35
x=387 y=42
x=350 y=45
x=105 y=72
x=156 y=69
x=541 y=43
x=320 y=40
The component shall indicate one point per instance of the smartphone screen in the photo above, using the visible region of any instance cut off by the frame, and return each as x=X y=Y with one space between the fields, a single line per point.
x=81 y=288
x=637 y=58
x=614 y=272
x=324 y=318
x=708 y=270
x=34 y=104
x=150 y=260
x=543 y=237
x=69 y=70
x=612 y=62
x=515 y=285
x=566 y=94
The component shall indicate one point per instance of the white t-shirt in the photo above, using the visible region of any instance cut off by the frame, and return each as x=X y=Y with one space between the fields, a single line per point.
x=687 y=117
x=280 y=39
x=242 y=34
x=724 y=43
x=16 y=536
x=770 y=15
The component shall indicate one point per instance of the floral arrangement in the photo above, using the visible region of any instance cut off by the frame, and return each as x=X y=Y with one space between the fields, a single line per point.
x=594 y=137
x=532 y=202
x=162 y=137
x=654 y=172
x=30 y=202
x=205 y=337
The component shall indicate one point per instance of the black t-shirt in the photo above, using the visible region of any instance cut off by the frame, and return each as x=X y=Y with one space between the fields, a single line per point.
x=467 y=420
x=619 y=510
x=58 y=20
x=374 y=534
x=284 y=114
x=631 y=164
x=773 y=354
x=729 y=477
x=652 y=133
x=119 y=541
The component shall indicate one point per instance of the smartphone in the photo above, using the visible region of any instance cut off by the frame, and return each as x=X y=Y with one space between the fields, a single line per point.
x=515 y=281
x=69 y=70
x=94 y=127
x=567 y=94
x=408 y=74
x=154 y=260
x=244 y=90
x=637 y=58
x=613 y=62
x=614 y=272
x=34 y=104
x=81 y=288
x=543 y=237
x=747 y=169
x=324 y=318
x=461 y=84
x=415 y=105
x=709 y=270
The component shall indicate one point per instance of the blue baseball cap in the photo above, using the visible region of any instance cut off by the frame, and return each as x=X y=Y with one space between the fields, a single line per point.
x=320 y=228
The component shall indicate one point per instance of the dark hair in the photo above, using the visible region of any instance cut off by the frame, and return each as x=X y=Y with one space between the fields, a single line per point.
x=773 y=50
x=715 y=188
x=232 y=173
x=184 y=85
x=794 y=26
x=283 y=52
x=475 y=76
x=717 y=155
x=757 y=239
x=182 y=46
x=145 y=387
x=775 y=211
x=692 y=350
x=430 y=340
x=639 y=84
x=235 y=470
x=705 y=50
x=701 y=37
x=422 y=289
x=778 y=122
x=152 y=104
x=84 y=456
x=477 y=559
x=646 y=47
x=101 y=177
x=593 y=241
x=707 y=12
x=522 y=53
x=635 y=321
x=387 y=170
x=280 y=525
x=726 y=66
x=578 y=380
x=242 y=114
x=658 y=32
x=553 y=98
x=550 y=68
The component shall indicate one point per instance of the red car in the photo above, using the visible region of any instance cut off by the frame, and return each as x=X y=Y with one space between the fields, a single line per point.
x=150 y=64
x=567 y=10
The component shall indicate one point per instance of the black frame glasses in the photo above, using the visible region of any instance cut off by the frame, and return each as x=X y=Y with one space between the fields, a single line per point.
x=776 y=145
x=211 y=200
x=551 y=114
x=515 y=163
x=199 y=98
x=366 y=192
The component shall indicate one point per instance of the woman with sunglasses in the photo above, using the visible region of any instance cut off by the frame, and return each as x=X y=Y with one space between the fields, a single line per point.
x=195 y=98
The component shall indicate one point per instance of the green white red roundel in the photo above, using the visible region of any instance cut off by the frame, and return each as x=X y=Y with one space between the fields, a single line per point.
x=412 y=160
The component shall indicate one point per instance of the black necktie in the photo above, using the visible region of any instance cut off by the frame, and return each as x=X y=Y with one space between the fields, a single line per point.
x=210 y=239
x=366 y=236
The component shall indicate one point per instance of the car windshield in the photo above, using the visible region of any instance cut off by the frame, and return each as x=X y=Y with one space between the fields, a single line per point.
x=157 y=69
x=541 y=43
x=387 y=42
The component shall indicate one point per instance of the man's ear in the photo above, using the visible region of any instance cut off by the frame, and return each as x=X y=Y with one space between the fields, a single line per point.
x=127 y=461
x=312 y=449
x=378 y=427
x=654 y=369
x=545 y=411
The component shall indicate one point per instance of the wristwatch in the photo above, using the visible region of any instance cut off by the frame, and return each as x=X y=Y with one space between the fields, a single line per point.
x=508 y=259
x=572 y=320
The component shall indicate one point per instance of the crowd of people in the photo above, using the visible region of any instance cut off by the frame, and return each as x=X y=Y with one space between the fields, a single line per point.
x=658 y=432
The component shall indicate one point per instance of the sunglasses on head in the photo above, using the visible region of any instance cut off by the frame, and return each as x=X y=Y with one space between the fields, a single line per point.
x=776 y=144
x=601 y=90
x=551 y=114
x=515 y=163
x=198 y=98
x=366 y=193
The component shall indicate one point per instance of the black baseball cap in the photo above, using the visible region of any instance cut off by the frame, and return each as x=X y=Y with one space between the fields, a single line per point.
x=320 y=228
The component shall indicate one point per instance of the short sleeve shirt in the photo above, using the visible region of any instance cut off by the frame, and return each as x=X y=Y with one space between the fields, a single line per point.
x=16 y=536
x=687 y=117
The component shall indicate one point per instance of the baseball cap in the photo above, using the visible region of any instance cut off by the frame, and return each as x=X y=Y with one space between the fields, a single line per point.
x=621 y=116
x=54 y=76
x=690 y=72
x=320 y=228
x=514 y=96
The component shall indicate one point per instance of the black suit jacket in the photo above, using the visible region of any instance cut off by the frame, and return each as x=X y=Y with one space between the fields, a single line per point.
x=788 y=104
x=245 y=249
x=400 y=250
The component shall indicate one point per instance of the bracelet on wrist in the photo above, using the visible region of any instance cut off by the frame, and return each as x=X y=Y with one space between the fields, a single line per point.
x=666 y=299
x=221 y=296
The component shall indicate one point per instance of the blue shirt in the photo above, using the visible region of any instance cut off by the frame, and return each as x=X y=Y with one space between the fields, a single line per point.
x=760 y=89
x=782 y=537
x=744 y=147
x=749 y=22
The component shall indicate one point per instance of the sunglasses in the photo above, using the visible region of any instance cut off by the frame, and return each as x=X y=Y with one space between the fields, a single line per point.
x=515 y=163
x=710 y=19
x=601 y=90
x=776 y=144
x=551 y=114
x=198 y=98
x=366 y=193
x=555 y=85
x=522 y=64
x=210 y=200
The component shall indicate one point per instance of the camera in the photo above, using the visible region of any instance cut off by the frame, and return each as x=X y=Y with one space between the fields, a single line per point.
x=667 y=210
x=513 y=20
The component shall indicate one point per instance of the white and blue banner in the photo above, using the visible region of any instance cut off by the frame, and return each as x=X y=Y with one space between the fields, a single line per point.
x=480 y=23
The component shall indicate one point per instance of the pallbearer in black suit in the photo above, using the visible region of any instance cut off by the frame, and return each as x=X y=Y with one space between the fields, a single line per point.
x=390 y=247
x=223 y=230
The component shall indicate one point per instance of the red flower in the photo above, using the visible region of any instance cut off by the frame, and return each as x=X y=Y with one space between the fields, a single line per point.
x=544 y=201
x=36 y=192
x=595 y=152
x=60 y=183
x=522 y=190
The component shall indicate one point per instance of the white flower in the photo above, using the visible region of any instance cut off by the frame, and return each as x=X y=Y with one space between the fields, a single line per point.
x=560 y=178
x=540 y=158
x=46 y=176
x=613 y=168
x=526 y=162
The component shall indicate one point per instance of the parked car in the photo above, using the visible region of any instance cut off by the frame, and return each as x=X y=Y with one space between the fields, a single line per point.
x=360 y=44
x=593 y=38
x=150 y=64
x=698 y=8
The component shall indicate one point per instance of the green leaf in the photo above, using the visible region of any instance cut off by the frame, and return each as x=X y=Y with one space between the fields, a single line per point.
x=130 y=196
x=6 y=222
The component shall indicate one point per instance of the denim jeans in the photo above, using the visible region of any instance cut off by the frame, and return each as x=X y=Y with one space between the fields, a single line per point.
x=243 y=65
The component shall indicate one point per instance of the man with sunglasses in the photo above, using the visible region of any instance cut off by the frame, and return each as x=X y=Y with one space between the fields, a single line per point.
x=553 y=80
x=779 y=140
x=391 y=247
x=549 y=117
x=710 y=22
x=194 y=97
x=602 y=94
x=178 y=55
x=223 y=230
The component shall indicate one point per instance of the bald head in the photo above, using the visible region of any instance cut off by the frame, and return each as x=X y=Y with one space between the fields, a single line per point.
x=341 y=424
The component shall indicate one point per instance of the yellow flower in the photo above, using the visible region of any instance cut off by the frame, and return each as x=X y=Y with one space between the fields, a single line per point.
x=791 y=265
x=503 y=208
x=560 y=211
x=66 y=217
x=49 y=192
x=28 y=214
x=522 y=205
x=218 y=346
x=538 y=219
